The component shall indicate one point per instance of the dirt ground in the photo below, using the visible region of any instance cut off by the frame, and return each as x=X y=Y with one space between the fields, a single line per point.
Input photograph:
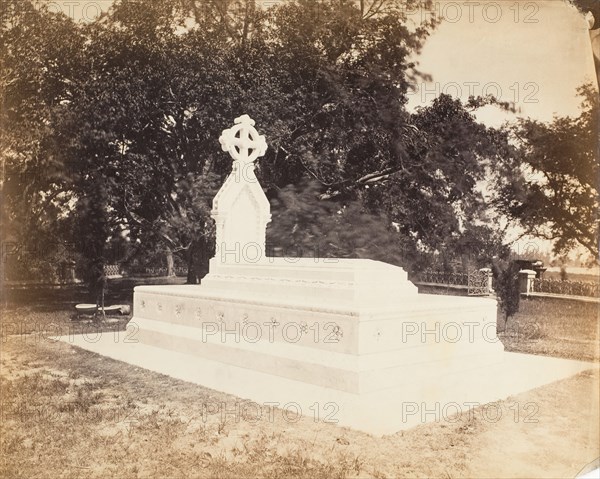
x=70 y=413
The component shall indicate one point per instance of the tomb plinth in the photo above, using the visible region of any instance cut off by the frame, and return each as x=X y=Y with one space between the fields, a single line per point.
x=351 y=344
x=350 y=332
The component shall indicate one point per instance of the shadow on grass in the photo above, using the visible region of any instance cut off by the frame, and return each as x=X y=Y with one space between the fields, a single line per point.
x=51 y=298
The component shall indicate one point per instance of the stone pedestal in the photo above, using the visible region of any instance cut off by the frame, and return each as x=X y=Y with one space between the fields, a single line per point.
x=526 y=277
x=354 y=325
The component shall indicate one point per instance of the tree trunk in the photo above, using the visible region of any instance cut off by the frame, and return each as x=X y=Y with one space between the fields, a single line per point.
x=198 y=256
x=102 y=301
x=100 y=290
x=170 y=263
x=192 y=277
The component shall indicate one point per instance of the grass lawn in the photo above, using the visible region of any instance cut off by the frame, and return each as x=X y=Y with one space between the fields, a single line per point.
x=70 y=413
x=553 y=327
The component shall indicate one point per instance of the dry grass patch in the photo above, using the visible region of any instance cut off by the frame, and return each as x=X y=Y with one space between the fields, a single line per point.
x=553 y=327
x=71 y=413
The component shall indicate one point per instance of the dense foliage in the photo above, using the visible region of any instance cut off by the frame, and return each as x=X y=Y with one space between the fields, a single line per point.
x=551 y=185
x=110 y=129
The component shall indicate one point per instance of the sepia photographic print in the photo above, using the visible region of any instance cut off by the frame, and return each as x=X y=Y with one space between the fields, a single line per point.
x=299 y=239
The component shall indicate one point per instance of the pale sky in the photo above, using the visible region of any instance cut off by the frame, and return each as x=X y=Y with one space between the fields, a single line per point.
x=532 y=53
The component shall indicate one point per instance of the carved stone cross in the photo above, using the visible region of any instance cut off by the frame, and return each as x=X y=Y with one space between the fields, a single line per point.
x=240 y=209
x=243 y=142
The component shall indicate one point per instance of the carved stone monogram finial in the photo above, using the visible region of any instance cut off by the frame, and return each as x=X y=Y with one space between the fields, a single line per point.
x=243 y=142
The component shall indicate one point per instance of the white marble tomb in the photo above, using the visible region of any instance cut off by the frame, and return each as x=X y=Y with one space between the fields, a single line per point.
x=350 y=332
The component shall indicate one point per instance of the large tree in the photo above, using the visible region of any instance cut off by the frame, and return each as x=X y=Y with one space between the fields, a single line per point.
x=40 y=53
x=138 y=107
x=552 y=187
